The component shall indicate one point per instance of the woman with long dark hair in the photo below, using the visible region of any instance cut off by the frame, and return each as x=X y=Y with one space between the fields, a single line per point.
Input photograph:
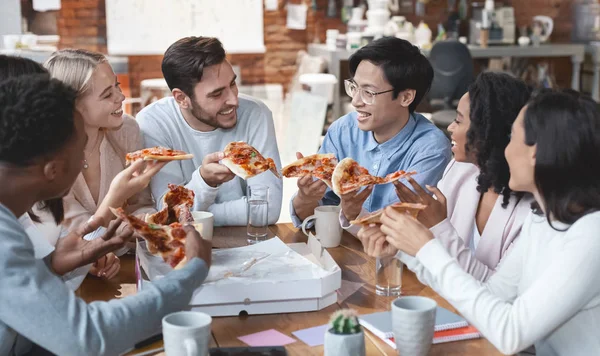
x=546 y=292
x=476 y=216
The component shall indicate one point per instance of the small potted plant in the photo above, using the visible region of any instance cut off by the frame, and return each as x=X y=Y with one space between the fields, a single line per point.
x=345 y=337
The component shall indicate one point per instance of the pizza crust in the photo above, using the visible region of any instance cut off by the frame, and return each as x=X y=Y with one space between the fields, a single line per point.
x=238 y=170
x=412 y=209
x=157 y=153
x=338 y=174
x=394 y=176
x=168 y=158
x=235 y=169
x=303 y=161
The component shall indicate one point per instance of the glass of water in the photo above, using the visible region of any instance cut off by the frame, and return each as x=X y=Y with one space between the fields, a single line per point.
x=388 y=276
x=258 y=213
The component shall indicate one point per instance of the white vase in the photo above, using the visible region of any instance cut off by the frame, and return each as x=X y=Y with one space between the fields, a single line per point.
x=344 y=344
x=378 y=4
x=356 y=23
x=378 y=18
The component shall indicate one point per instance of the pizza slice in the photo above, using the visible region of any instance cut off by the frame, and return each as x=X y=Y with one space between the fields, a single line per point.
x=166 y=241
x=394 y=176
x=245 y=161
x=320 y=166
x=375 y=217
x=177 y=205
x=157 y=154
x=183 y=213
x=349 y=176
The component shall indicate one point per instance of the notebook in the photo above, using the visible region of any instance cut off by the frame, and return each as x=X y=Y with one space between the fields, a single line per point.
x=448 y=326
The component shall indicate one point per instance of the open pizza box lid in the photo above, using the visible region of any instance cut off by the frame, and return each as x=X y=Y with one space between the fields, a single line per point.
x=265 y=278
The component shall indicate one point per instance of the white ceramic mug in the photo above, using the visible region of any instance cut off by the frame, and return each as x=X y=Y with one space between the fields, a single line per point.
x=186 y=333
x=204 y=222
x=327 y=225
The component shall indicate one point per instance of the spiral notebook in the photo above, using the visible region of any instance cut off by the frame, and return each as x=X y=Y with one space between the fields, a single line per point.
x=448 y=326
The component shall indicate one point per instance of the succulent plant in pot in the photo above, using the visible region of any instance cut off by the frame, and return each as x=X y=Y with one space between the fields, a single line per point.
x=345 y=336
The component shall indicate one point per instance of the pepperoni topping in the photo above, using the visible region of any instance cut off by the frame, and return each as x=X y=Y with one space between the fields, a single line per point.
x=178 y=233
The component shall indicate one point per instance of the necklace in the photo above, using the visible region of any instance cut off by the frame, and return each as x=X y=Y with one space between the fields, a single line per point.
x=85 y=162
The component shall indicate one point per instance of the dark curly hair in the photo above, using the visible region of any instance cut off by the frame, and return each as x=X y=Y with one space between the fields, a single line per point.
x=36 y=119
x=10 y=67
x=496 y=99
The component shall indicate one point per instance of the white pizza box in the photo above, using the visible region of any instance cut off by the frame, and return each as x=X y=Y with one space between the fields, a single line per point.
x=307 y=278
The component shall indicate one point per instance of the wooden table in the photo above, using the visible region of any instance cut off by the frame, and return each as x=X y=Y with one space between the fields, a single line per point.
x=356 y=267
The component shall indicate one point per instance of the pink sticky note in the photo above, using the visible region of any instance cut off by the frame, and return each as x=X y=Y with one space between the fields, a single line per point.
x=270 y=337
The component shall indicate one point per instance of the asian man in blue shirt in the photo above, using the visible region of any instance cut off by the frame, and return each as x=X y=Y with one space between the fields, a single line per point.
x=390 y=77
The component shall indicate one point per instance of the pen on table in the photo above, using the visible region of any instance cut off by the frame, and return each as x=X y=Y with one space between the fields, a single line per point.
x=144 y=343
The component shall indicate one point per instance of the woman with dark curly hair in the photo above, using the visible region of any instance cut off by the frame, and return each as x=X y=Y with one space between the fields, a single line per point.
x=546 y=291
x=475 y=213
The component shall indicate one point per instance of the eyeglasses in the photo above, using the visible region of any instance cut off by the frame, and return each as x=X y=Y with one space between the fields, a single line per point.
x=367 y=96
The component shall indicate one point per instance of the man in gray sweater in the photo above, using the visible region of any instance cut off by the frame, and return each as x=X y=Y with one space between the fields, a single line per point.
x=41 y=154
x=204 y=114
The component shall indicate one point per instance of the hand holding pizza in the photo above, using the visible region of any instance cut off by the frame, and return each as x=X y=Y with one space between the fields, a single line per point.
x=310 y=192
x=175 y=243
x=352 y=202
x=374 y=242
x=404 y=232
x=196 y=246
x=245 y=161
x=214 y=173
x=436 y=210
x=310 y=189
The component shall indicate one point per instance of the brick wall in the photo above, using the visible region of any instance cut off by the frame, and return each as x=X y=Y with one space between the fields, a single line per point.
x=82 y=23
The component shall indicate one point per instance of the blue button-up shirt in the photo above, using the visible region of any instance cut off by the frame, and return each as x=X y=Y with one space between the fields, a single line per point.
x=420 y=146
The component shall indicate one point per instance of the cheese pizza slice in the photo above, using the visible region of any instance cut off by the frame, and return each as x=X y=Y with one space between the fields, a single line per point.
x=157 y=154
x=349 y=176
x=320 y=166
x=166 y=241
x=375 y=217
x=245 y=161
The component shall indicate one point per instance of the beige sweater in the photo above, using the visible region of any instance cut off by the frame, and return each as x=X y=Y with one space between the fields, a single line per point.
x=79 y=204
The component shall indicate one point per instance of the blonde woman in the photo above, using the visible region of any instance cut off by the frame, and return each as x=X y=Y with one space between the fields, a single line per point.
x=104 y=181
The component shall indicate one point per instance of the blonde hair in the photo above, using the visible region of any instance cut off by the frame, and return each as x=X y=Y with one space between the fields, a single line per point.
x=75 y=68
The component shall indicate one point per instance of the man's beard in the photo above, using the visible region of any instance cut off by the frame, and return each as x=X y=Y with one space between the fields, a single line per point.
x=204 y=118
